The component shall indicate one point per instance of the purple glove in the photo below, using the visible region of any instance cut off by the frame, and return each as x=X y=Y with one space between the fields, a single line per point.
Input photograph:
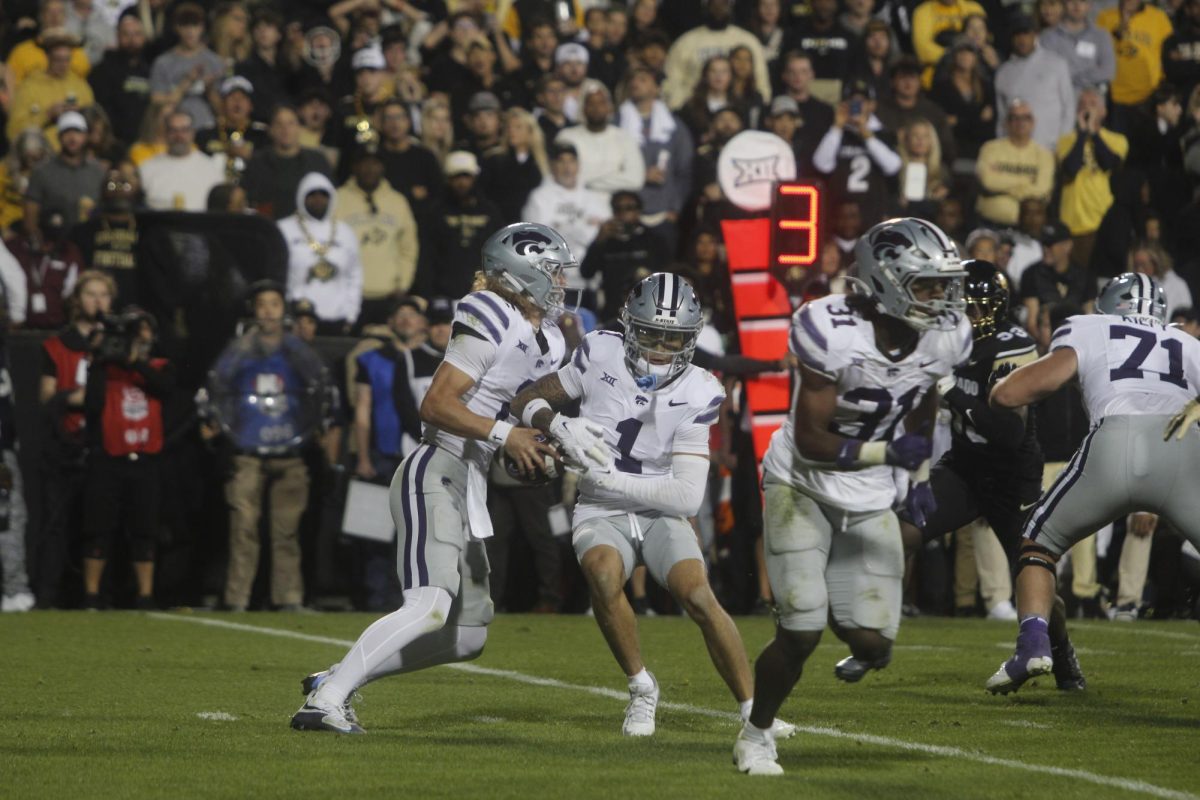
x=909 y=451
x=920 y=503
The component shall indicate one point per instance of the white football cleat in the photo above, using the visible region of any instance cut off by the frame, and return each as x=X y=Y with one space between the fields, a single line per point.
x=754 y=756
x=17 y=603
x=639 y=714
x=779 y=728
x=318 y=714
x=782 y=730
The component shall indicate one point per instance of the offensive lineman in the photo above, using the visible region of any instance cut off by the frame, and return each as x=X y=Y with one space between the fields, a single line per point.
x=994 y=466
x=504 y=336
x=868 y=362
x=1135 y=372
x=655 y=408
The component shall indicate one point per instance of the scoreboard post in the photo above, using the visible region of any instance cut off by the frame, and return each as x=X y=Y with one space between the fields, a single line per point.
x=762 y=253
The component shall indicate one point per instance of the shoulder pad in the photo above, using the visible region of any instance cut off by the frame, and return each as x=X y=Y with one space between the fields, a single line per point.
x=823 y=332
x=486 y=313
x=598 y=347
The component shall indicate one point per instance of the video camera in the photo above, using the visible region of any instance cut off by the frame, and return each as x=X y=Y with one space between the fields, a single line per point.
x=118 y=332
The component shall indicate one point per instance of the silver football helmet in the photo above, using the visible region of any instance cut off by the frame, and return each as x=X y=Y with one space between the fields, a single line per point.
x=530 y=258
x=662 y=320
x=893 y=257
x=1133 y=294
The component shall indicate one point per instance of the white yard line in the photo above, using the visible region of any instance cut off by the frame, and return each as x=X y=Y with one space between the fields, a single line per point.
x=1136 y=628
x=1126 y=784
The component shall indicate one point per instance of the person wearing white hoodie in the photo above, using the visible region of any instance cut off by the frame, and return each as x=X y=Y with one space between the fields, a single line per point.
x=324 y=265
x=565 y=204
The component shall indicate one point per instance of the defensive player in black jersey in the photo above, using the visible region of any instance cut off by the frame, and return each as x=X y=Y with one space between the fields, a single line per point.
x=993 y=468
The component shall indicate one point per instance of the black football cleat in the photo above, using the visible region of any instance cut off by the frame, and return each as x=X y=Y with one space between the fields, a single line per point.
x=1067 y=673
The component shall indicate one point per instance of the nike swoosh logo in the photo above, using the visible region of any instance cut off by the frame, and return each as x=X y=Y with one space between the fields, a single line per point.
x=672 y=403
x=1027 y=506
x=925 y=364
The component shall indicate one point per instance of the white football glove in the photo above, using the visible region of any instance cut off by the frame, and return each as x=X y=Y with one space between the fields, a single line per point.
x=582 y=441
x=1182 y=423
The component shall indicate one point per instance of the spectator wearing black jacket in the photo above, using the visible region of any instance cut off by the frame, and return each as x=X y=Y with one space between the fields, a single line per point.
x=121 y=81
x=623 y=253
x=460 y=223
x=123 y=403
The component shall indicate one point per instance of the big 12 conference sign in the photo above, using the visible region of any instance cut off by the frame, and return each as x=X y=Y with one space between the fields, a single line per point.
x=750 y=165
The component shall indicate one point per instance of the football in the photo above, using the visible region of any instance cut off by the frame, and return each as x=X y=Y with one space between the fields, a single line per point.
x=509 y=474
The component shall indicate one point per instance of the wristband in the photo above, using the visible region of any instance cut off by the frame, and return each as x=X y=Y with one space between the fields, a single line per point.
x=500 y=432
x=854 y=453
x=531 y=408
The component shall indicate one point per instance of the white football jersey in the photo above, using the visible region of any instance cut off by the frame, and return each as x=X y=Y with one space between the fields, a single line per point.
x=874 y=394
x=642 y=429
x=521 y=354
x=1129 y=365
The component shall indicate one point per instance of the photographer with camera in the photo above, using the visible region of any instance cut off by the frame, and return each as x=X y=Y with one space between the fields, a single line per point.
x=123 y=403
x=65 y=362
x=269 y=394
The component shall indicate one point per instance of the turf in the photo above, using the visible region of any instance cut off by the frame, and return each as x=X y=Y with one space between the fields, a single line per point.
x=109 y=705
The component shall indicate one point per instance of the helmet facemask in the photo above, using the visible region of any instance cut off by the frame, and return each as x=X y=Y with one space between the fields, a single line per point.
x=657 y=354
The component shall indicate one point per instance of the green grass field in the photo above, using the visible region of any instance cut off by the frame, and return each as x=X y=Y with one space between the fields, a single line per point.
x=132 y=705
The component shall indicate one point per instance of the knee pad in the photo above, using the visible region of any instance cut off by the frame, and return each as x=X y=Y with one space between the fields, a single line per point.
x=469 y=642
x=432 y=602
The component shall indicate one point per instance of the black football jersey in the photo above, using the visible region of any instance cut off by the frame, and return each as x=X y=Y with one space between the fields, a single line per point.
x=1010 y=344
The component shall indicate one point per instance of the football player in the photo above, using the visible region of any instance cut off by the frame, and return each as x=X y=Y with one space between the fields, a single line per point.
x=994 y=466
x=503 y=337
x=869 y=363
x=1135 y=373
x=655 y=408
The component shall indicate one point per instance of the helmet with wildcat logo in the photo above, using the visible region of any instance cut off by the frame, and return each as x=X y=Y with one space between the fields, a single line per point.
x=901 y=263
x=529 y=258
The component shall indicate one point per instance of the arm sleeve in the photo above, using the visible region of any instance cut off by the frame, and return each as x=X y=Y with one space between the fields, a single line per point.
x=680 y=494
x=1072 y=161
x=888 y=160
x=1106 y=158
x=471 y=354
x=825 y=156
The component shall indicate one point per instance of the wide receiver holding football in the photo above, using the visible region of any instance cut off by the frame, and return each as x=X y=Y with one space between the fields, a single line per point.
x=655 y=408
x=503 y=338
x=869 y=362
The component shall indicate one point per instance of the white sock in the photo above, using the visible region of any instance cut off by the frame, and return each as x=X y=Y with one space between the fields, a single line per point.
x=374 y=654
x=756 y=734
x=643 y=681
x=745 y=708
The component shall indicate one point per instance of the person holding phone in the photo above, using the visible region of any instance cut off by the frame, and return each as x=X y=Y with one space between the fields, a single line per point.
x=858 y=155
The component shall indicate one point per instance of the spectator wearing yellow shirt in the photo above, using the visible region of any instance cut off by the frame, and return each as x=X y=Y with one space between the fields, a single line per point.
x=29 y=56
x=1012 y=169
x=1088 y=155
x=934 y=24
x=46 y=94
x=1138 y=31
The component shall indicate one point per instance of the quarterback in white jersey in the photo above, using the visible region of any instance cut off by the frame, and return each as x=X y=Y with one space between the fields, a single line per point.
x=865 y=405
x=1135 y=372
x=654 y=408
x=503 y=337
